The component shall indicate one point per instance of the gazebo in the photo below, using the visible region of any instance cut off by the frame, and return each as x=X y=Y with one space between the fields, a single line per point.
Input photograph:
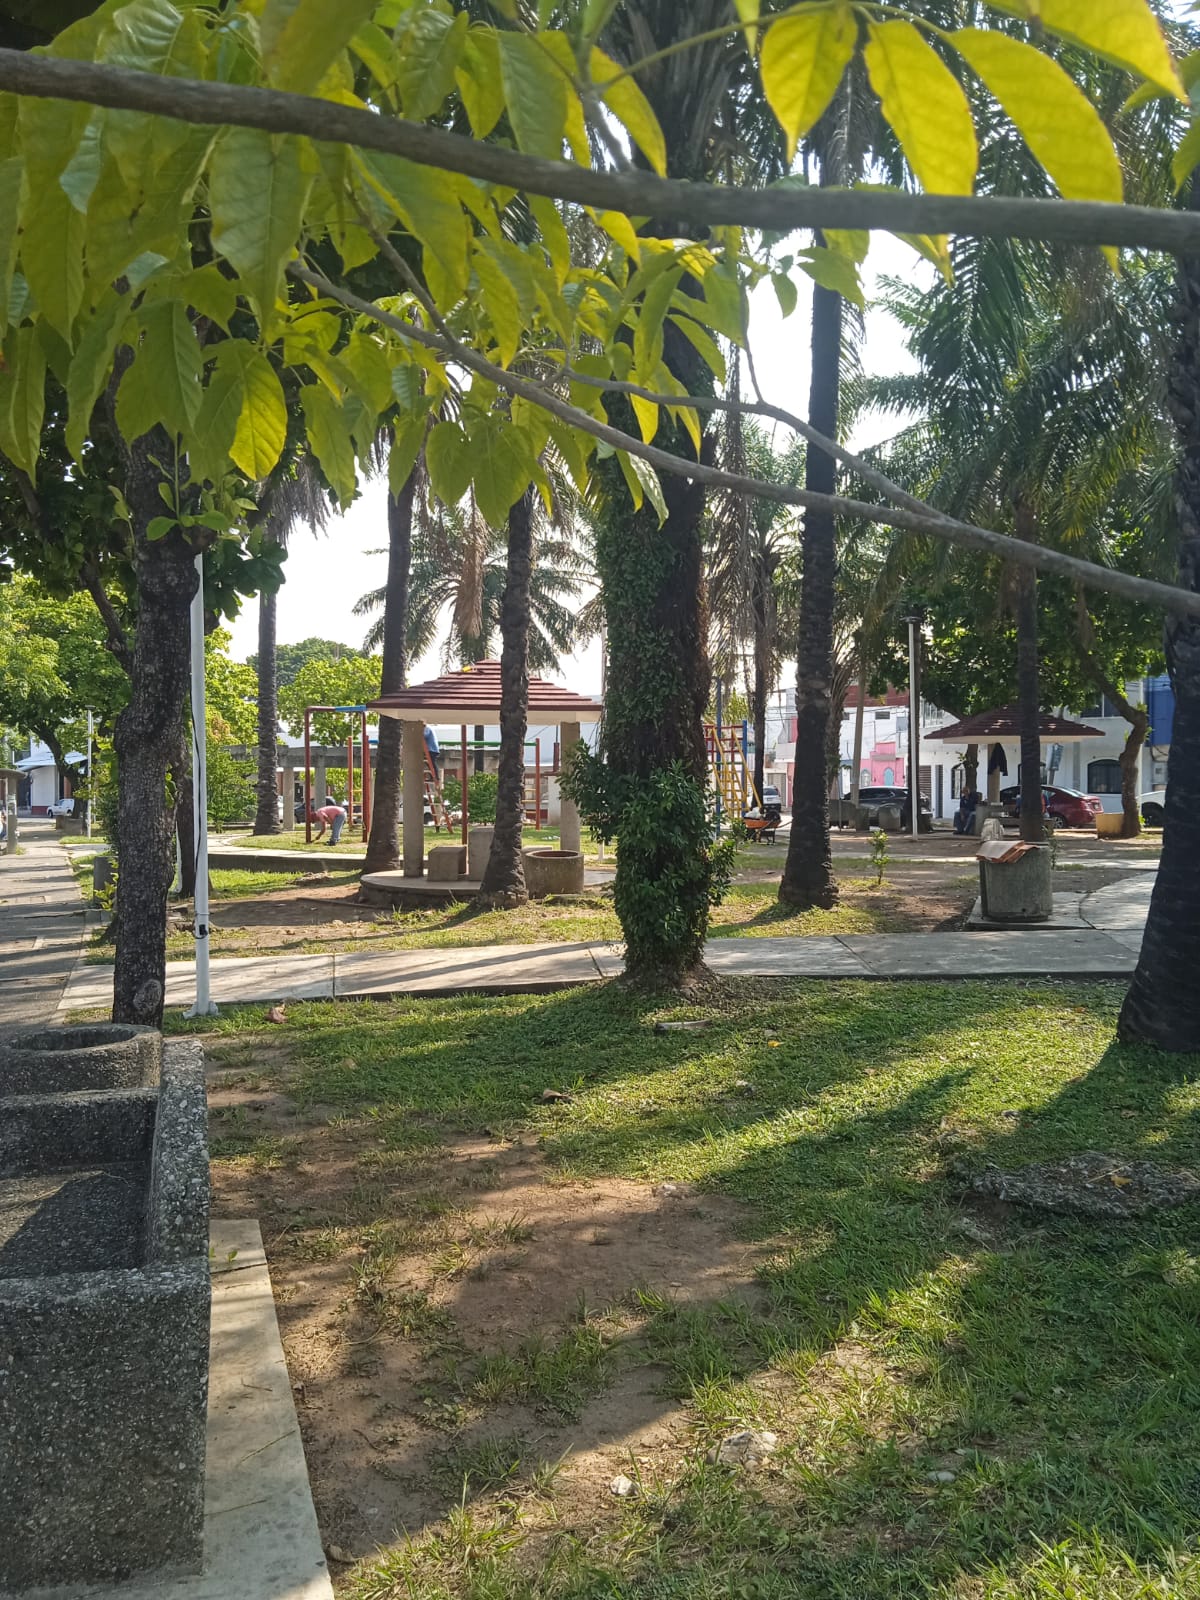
x=1003 y=724
x=472 y=696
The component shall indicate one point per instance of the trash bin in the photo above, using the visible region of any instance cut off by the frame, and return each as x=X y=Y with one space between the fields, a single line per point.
x=1015 y=881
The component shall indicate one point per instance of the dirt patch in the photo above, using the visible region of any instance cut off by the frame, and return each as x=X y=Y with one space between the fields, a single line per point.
x=460 y=1321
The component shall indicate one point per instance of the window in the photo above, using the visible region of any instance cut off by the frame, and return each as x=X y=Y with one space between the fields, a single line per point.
x=1101 y=708
x=864 y=777
x=889 y=777
x=1104 y=777
x=882 y=716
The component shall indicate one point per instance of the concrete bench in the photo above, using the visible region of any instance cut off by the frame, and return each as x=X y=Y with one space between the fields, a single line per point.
x=446 y=863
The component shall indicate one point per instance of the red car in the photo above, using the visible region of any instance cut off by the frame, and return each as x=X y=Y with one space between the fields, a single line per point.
x=1068 y=807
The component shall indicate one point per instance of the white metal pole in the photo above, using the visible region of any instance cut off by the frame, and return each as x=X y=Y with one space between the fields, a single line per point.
x=914 y=733
x=204 y=1006
x=91 y=794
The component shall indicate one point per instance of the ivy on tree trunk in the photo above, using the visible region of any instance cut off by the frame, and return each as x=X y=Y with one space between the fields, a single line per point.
x=383 y=846
x=504 y=877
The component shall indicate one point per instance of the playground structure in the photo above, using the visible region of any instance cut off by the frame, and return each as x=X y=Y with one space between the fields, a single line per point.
x=729 y=771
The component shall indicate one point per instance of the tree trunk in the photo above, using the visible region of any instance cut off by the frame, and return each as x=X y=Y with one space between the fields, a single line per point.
x=383 y=847
x=477 y=733
x=1163 y=1003
x=266 y=818
x=504 y=877
x=1028 y=694
x=859 y=714
x=808 y=872
x=971 y=767
x=148 y=734
x=759 y=690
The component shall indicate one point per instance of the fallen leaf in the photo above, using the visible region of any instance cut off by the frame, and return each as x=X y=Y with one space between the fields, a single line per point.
x=276 y=1014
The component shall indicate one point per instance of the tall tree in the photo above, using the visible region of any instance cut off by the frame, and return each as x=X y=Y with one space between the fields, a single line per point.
x=383 y=846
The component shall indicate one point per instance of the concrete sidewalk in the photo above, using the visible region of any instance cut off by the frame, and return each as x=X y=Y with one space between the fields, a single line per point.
x=41 y=926
x=536 y=968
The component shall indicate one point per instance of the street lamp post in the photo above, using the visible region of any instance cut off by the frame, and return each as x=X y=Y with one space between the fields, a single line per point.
x=915 y=621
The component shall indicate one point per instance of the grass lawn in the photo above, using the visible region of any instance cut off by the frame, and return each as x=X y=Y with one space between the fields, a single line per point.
x=272 y=912
x=534 y=838
x=971 y=1403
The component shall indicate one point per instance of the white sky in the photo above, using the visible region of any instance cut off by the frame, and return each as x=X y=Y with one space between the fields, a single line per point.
x=326 y=573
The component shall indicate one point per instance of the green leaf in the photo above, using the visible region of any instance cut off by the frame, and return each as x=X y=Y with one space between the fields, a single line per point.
x=211 y=440
x=330 y=439
x=643 y=480
x=82 y=173
x=406 y=385
x=832 y=270
x=1187 y=155
x=427 y=203
x=210 y=293
x=1059 y=124
x=163 y=384
x=301 y=39
x=619 y=228
x=702 y=341
x=502 y=464
x=430 y=45
x=23 y=399
x=803 y=59
x=723 y=302
x=925 y=106
x=632 y=110
x=258 y=185
x=91 y=366
x=479 y=82
x=408 y=435
x=370 y=367
x=535 y=92
x=1124 y=31
x=261 y=426
x=503 y=307
x=10 y=205
x=785 y=292
x=748 y=12
x=158 y=37
x=648 y=333
x=448 y=458
x=554 y=234
x=52 y=255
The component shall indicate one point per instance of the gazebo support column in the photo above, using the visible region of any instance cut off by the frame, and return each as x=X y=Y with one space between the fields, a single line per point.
x=289 y=793
x=413 y=797
x=568 y=827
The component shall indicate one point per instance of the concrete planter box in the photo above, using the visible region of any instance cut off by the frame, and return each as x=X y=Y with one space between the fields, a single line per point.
x=1109 y=824
x=446 y=863
x=104 y=1310
x=553 y=872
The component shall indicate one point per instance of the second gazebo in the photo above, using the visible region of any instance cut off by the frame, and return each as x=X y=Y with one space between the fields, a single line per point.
x=469 y=697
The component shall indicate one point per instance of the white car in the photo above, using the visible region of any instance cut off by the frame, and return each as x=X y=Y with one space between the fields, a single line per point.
x=1151 y=804
x=62 y=808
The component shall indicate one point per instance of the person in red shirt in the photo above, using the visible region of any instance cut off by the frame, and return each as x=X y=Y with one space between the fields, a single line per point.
x=333 y=813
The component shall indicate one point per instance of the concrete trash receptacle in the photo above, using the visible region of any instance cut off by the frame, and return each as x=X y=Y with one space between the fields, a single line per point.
x=553 y=872
x=479 y=850
x=888 y=818
x=1015 y=881
x=1109 y=824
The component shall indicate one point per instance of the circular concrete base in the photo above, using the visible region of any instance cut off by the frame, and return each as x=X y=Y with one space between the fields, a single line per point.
x=95 y=1055
x=553 y=872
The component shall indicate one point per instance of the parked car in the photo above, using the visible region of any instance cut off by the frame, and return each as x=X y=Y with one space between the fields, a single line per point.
x=1068 y=808
x=872 y=796
x=1151 y=804
x=62 y=808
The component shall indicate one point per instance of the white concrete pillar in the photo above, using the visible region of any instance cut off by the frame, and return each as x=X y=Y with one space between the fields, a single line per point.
x=413 y=797
x=568 y=827
x=319 y=782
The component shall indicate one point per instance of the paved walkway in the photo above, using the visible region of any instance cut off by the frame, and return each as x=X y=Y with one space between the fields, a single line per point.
x=534 y=968
x=41 y=927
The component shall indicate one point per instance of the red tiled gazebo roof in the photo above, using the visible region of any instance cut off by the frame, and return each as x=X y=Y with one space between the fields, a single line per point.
x=473 y=695
x=1004 y=722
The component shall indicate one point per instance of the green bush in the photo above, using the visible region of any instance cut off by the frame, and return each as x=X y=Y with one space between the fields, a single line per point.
x=670 y=869
x=482 y=788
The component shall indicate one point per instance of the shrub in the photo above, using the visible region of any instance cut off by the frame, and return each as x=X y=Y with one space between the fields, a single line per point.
x=482 y=788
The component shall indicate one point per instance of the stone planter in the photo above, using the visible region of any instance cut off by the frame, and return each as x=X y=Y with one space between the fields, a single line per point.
x=104 y=1307
x=553 y=872
x=479 y=850
x=100 y=1055
x=446 y=863
x=1109 y=824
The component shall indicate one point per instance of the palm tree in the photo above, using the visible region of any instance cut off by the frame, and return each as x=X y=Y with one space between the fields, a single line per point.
x=751 y=567
x=293 y=495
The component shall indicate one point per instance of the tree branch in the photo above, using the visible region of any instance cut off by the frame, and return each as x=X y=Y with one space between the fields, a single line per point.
x=1181 y=601
x=633 y=192
x=118 y=640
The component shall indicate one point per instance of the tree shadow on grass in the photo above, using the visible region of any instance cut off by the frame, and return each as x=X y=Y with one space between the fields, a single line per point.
x=1043 y=1366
